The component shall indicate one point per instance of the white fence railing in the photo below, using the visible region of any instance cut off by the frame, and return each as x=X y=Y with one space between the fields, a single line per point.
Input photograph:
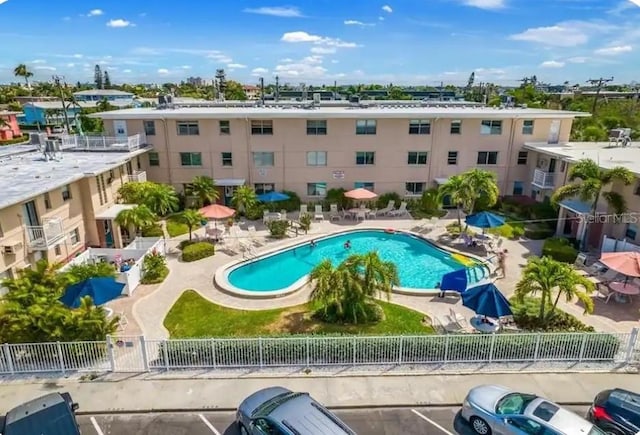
x=542 y=179
x=103 y=143
x=610 y=244
x=46 y=235
x=137 y=177
x=136 y=354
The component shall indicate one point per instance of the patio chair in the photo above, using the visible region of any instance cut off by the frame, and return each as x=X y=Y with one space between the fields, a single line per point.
x=334 y=214
x=266 y=217
x=361 y=215
x=604 y=292
x=581 y=260
x=304 y=209
x=253 y=235
x=401 y=211
x=346 y=214
x=371 y=214
x=318 y=214
x=468 y=240
x=608 y=276
x=458 y=318
x=450 y=324
x=387 y=209
x=437 y=325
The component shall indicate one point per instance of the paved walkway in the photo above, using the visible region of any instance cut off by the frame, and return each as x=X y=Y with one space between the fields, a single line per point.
x=336 y=391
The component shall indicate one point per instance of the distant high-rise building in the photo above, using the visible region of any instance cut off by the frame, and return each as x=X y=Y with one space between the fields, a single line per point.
x=196 y=81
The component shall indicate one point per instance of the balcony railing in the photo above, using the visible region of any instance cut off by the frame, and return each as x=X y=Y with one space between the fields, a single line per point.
x=43 y=237
x=137 y=177
x=543 y=180
x=102 y=143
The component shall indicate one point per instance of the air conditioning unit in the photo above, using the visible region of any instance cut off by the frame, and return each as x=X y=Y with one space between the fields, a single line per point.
x=542 y=163
x=12 y=249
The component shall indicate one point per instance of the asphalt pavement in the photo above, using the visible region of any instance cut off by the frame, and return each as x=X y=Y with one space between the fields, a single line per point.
x=379 y=421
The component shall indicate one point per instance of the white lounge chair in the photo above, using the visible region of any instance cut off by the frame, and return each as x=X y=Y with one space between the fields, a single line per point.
x=304 y=209
x=371 y=214
x=458 y=318
x=361 y=215
x=334 y=214
x=266 y=216
x=387 y=209
x=253 y=235
x=401 y=211
x=318 y=214
x=604 y=292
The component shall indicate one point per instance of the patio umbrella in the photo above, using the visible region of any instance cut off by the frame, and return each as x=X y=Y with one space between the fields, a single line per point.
x=216 y=212
x=627 y=263
x=360 y=194
x=101 y=290
x=484 y=219
x=486 y=300
x=272 y=197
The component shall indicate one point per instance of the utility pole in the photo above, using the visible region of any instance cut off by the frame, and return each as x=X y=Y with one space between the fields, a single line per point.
x=262 y=90
x=57 y=81
x=598 y=83
x=277 y=92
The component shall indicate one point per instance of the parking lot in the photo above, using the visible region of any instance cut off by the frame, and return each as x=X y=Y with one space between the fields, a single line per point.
x=407 y=421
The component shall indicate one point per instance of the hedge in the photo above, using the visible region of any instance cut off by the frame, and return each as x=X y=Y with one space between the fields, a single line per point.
x=15 y=140
x=559 y=249
x=346 y=351
x=197 y=251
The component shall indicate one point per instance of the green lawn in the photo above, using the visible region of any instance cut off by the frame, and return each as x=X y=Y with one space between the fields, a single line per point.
x=175 y=227
x=193 y=316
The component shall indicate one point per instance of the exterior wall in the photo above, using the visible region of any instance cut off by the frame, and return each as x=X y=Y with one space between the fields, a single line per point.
x=12 y=129
x=38 y=115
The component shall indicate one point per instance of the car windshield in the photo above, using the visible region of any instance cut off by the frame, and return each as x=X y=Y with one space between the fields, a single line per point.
x=545 y=411
x=514 y=403
x=595 y=431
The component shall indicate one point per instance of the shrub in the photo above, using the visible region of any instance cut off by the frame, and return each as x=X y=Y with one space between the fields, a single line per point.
x=513 y=230
x=291 y=204
x=154 y=267
x=176 y=228
x=80 y=272
x=197 y=251
x=559 y=249
x=526 y=314
x=254 y=212
x=305 y=223
x=336 y=196
x=183 y=244
x=538 y=232
x=278 y=229
x=15 y=140
x=383 y=200
x=154 y=230
x=454 y=229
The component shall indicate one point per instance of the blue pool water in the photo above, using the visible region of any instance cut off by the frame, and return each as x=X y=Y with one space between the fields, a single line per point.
x=420 y=264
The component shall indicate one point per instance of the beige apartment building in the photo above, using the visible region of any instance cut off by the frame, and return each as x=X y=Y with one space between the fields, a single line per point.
x=405 y=148
x=59 y=198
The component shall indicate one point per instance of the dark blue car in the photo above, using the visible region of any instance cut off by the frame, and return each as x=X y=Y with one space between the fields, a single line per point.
x=616 y=412
x=53 y=414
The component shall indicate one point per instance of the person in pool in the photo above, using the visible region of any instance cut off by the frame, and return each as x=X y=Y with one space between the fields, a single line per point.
x=312 y=244
x=347 y=244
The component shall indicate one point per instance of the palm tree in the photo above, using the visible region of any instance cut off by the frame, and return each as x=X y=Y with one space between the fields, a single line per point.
x=160 y=198
x=203 y=188
x=482 y=185
x=546 y=275
x=593 y=180
x=459 y=193
x=22 y=71
x=378 y=276
x=136 y=218
x=243 y=198
x=191 y=218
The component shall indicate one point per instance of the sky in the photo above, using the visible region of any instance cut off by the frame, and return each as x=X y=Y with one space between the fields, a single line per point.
x=420 y=42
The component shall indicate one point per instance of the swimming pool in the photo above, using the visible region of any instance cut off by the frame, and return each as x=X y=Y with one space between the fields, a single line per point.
x=421 y=264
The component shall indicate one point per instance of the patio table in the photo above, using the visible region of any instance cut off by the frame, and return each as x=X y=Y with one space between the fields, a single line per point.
x=487 y=326
x=623 y=290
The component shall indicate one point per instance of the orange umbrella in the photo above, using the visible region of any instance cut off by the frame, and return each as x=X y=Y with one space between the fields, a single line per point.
x=360 y=194
x=217 y=211
x=627 y=263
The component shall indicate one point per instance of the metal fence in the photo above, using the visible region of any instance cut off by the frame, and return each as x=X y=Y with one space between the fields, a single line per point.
x=137 y=354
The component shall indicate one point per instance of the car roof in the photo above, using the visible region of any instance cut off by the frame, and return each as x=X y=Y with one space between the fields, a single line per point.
x=50 y=414
x=560 y=419
x=302 y=414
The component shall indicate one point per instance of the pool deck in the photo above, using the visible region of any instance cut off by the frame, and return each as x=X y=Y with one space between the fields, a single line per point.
x=149 y=305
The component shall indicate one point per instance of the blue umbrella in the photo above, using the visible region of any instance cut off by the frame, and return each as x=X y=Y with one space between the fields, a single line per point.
x=486 y=300
x=101 y=290
x=456 y=280
x=484 y=219
x=273 y=197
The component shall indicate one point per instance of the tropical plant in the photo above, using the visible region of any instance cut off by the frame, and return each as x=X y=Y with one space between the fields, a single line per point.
x=589 y=188
x=136 y=218
x=305 y=222
x=80 y=272
x=89 y=322
x=278 y=229
x=459 y=193
x=191 y=218
x=154 y=268
x=203 y=189
x=544 y=276
x=134 y=193
x=160 y=198
x=244 y=198
x=23 y=71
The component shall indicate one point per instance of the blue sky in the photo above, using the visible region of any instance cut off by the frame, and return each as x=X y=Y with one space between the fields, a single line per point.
x=319 y=41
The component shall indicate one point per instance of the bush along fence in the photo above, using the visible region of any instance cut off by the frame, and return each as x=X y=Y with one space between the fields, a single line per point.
x=137 y=354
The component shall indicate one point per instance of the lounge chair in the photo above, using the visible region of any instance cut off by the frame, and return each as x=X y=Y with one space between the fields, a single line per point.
x=401 y=211
x=458 y=318
x=451 y=325
x=468 y=240
x=304 y=209
x=334 y=214
x=371 y=214
x=604 y=292
x=318 y=215
x=253 y=235
x=346 y=214
x=266 y=216
x=387 y=209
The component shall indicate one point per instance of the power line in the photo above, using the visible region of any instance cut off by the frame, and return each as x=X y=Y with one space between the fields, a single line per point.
x=599 y=83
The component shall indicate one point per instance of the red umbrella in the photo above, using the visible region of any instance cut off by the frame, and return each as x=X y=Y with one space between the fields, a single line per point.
x=627 y=263
x=217 y=211
x=360 y=194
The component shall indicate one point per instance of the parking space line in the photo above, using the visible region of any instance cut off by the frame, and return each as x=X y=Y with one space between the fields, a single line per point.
x=431 y=422
x=209 y=425
x=95 y=426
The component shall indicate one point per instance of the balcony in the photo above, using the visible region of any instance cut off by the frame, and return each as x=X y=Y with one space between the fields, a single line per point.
x=137 y=177
x=103 y=143
x=543 y=180
x=45 y=236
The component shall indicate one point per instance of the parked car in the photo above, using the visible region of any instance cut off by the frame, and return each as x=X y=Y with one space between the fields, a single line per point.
x=497 y=410
x=616 y=412
x=53 y=414
x=279 y=411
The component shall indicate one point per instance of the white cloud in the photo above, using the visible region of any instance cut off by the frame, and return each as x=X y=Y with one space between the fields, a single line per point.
x=95 y=12
x=45 y=68
x=614 y=51
x=236 y=65
x=563 y=34
x=387 y=9
x=551 y=64
x=163 y=71
x=275 y=11
x=119 y=22
x=126 y=71
x=577 y=59
x=308 y=68
x=381 y=18
x=70 y=65
x=299 y=36
x=357 y=23
x=219 y=57
x=256 y=72
x=323 y=50
x=3 y=1
x=77 y=56
x=335 y=61
x=186 y=67
x=38 y=61
x=485 y=4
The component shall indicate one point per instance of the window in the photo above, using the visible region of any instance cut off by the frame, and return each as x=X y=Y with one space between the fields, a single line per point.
x=452 y=158
x=47 y=201
x=316 y=189
x=631 y=232
x=263 y=159
x=154 y=159
x=191 y=159
x=415 y=188
x=227 y=159
x=487 y=158
x=74 y=236
x=563 y=166
x=526 y=425
x=262 y=188
x=316 y=127
x=57 y=250
x=317 y=158
x=149 y=128
x=522 y=157
x=518 y=188
x=260 y=127
x=188 y=128
x=66 y=193
x=456 y=127
x=366 y=126
x=417 y=158
x=527 y=126
x=419 y=126
x=514 y=403
x=369 y=185
x=225 y=127
x=365 y=158
x=491 y=127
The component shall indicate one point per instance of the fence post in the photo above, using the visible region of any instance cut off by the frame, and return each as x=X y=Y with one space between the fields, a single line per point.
x=213 y=353
x=165 y=353
x=307 y=346
x=261 y=352
x=583 y=345
x=631 y=345
x=143 y=353
x=535 y=354
x=60 y=358
x=492 y=347
x=8 y=359
x=354 y=347
x=446 y=348
x=112 y=360
x=400 y=350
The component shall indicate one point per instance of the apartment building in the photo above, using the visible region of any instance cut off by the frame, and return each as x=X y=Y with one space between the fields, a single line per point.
x=59 y=198
x=405 y=148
